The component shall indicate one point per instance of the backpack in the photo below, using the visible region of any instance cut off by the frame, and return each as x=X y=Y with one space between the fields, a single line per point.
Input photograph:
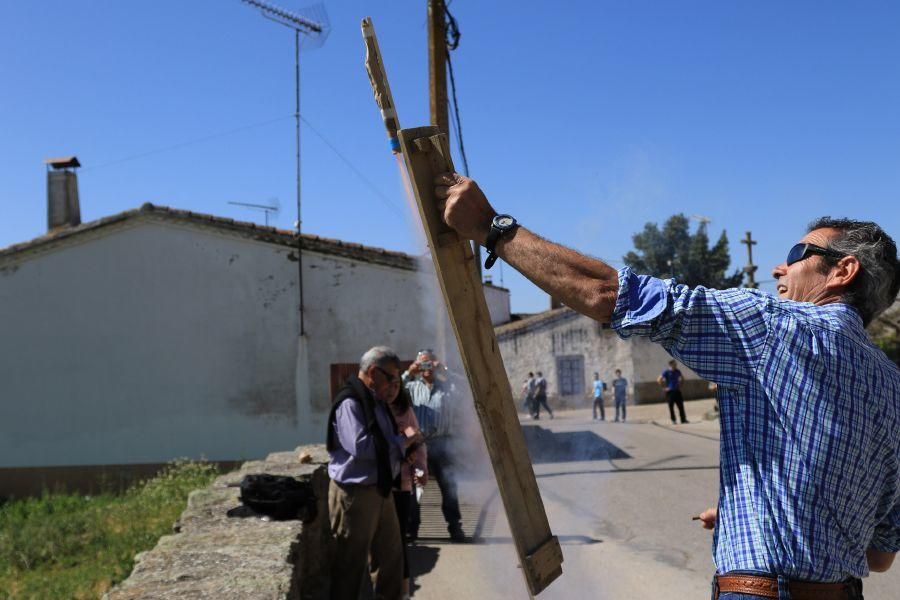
x=279 y=497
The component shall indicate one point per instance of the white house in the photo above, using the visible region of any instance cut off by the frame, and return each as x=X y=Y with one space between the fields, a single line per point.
x=159 y=333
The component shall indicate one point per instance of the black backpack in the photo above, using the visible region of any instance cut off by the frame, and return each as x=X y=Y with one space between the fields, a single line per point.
x=279 y=497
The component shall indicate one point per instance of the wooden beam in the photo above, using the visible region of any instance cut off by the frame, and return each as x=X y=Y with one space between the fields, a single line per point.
x=427 y=154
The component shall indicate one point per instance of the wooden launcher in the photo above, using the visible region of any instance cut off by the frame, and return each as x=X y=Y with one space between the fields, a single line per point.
x=426 y=154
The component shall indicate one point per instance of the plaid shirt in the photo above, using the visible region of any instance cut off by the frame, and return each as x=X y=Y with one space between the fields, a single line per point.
x=810 y=418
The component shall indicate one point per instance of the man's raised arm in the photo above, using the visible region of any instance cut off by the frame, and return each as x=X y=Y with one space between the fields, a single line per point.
x=585 y=284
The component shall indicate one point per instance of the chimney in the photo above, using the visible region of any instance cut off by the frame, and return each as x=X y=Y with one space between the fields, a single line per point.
x=63 y=209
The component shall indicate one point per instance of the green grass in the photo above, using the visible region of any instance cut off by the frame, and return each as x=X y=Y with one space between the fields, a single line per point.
x=71 y=546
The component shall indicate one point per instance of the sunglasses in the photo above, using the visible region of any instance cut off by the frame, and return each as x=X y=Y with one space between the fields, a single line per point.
x=392 y=379
x=802 y=251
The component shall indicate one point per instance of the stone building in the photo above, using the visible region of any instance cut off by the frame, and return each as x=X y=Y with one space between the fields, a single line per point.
x=569 y=348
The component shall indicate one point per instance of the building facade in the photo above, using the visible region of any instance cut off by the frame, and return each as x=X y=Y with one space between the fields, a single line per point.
x=569 y=348
x=158 y=333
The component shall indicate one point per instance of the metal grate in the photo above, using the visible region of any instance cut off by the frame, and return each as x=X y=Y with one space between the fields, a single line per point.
x=477 y=521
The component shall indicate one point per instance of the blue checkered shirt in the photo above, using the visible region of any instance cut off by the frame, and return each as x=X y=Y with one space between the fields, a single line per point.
x=810 y=423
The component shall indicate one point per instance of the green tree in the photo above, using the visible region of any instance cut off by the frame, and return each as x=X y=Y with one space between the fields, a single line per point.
x=674 y=251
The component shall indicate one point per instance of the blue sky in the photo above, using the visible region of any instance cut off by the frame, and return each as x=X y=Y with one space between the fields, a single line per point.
x=585 y=120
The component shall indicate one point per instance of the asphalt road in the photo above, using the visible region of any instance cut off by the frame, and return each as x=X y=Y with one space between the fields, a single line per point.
x=620 y=498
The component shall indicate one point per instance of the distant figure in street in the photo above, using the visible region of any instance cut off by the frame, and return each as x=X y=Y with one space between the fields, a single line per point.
x=540 y=396
x=672 y=378
x=620 y=392
x=528 y=394
x=599 y=386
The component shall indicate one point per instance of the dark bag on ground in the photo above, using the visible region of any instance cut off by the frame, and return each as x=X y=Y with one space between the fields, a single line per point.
x=279 y=497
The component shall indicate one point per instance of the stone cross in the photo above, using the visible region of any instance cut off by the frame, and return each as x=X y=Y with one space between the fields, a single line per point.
x=750 y=269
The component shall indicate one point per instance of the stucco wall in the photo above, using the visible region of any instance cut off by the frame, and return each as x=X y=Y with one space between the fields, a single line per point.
x=498 y=303
x=147 y=341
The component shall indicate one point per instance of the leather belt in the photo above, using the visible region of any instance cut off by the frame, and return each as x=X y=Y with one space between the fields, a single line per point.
x=767 y=587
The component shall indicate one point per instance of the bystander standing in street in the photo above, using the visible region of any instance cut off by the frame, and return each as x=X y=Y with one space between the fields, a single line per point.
x=416 y=461
x=620 y=393
x=672 y=379
x=599 y=386
x=366 y=451
x=435 y=407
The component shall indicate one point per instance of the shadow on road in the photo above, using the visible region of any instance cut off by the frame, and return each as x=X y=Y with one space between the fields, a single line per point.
x=546 y=446
x=422 y=560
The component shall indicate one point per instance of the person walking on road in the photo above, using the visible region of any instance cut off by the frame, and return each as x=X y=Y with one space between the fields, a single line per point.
x=540 y=396
x=528 y=394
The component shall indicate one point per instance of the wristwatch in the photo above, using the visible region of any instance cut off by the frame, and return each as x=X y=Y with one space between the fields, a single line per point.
x=501 y=225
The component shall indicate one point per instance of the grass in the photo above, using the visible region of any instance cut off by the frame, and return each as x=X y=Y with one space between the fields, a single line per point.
x=73 y=547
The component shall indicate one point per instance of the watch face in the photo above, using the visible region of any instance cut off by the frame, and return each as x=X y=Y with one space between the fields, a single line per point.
x=504 y=221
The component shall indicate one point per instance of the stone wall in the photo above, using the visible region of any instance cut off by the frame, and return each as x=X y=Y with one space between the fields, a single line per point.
x=214 y=555
x=539 y=342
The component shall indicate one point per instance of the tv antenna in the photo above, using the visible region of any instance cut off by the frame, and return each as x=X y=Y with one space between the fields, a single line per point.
x=314 y=30
x=704 y=221
x=272 y=208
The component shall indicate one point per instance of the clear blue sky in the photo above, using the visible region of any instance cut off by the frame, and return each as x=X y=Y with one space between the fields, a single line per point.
x=583 y=119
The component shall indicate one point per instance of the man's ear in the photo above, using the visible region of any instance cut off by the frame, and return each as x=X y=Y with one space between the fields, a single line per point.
x=843 y=273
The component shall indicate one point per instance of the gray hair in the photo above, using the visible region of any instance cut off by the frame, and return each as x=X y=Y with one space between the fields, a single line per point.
x=878 y=281
x=379 y=356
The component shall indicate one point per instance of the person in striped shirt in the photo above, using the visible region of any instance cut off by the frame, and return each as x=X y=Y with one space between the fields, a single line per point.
x=809 y=498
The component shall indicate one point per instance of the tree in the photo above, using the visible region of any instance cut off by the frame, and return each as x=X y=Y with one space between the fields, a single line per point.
x=674 y=252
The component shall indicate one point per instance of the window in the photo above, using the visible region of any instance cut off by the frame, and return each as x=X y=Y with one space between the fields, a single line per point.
x=570 y=370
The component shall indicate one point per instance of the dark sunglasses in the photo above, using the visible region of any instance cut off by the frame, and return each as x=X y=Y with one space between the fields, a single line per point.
x=391 y=378
x=802 y=251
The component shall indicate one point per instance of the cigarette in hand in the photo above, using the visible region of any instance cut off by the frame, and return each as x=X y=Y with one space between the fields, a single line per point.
x=695 y=518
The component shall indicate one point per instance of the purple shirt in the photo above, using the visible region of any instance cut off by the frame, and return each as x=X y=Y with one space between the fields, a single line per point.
x=354 y=460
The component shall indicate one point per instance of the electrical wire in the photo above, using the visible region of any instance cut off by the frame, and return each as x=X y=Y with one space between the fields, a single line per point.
x=452 y=43
x=187 y=143
x=390 y=204
x=381 y=196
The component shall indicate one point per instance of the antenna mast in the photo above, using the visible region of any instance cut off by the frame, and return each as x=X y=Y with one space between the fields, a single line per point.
x=315 y=29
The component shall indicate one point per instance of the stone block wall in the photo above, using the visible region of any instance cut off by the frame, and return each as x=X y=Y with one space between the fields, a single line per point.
x=213 y=555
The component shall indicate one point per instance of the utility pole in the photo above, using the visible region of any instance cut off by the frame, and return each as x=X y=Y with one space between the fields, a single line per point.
x=750 y=269
x=437 y=81
x=440 y=114
x=437 y=65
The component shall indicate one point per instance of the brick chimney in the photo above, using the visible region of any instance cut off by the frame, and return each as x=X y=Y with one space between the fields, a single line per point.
x=63 y=209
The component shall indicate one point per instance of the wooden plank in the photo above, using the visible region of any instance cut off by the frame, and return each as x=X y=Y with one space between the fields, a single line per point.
x=427 y=154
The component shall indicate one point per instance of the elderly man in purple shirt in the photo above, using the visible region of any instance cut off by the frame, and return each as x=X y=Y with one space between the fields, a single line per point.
x=366 y=451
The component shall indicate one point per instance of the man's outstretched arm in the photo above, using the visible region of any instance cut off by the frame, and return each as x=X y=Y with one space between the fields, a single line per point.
x=585 y=284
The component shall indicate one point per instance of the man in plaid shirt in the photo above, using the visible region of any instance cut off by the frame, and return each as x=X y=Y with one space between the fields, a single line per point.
x=809 y=498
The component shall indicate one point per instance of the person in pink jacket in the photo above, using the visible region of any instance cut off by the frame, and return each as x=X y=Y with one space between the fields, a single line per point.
x=416 y=460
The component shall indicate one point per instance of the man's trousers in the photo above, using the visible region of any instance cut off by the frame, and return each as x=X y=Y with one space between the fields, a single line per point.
x=674 y=397
x=365 y=529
